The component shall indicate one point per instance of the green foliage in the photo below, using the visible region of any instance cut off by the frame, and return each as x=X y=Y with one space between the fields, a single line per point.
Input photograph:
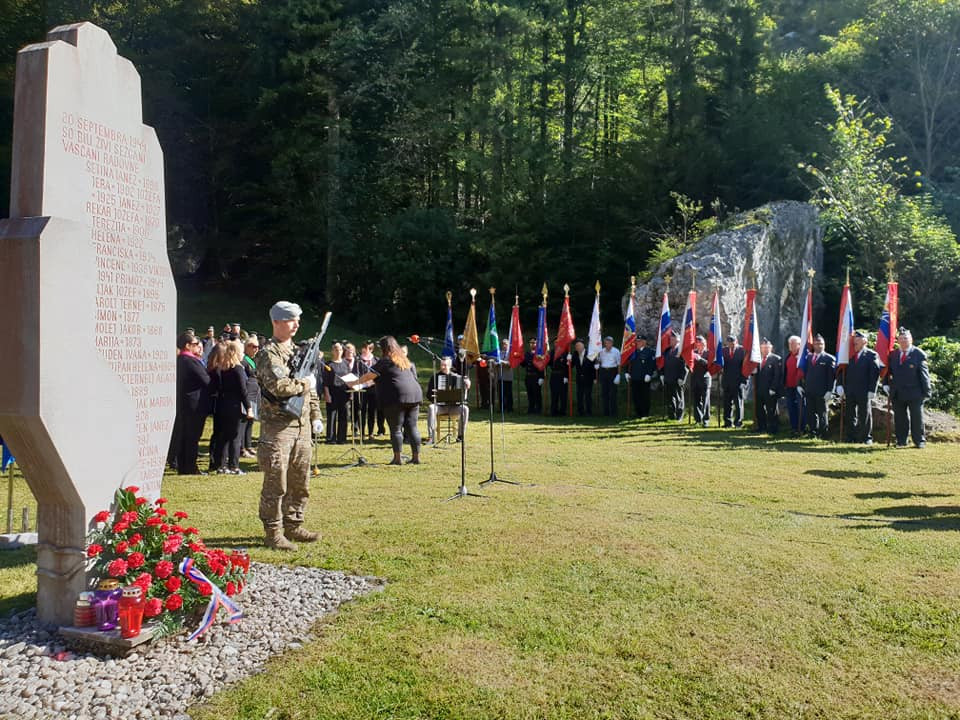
x=869 y=221
x=943 y=356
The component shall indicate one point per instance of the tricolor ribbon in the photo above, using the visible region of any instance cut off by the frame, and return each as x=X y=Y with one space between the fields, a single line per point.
x=217 y=598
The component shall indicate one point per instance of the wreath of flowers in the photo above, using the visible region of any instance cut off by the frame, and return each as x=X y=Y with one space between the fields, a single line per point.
x=143 y=544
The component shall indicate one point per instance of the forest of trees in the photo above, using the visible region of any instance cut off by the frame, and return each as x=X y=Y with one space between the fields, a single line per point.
x=368 y=155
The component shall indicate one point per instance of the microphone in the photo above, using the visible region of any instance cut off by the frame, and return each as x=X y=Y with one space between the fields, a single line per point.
x=415 y=339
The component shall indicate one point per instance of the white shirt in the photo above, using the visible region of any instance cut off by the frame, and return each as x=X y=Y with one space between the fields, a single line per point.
x=609 y=358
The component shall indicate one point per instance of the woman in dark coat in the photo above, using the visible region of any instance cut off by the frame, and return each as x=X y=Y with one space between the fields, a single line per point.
x=250 y=350
x=193 y=403
x=230 y=380
x=399 y=395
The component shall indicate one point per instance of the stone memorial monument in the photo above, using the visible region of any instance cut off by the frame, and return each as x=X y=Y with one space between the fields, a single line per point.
x=87 y=299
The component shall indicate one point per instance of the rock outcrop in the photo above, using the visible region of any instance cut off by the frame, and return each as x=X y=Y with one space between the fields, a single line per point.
x=779 y=242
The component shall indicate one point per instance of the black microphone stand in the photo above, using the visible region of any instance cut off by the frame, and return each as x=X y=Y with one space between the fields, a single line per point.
x=462 y=491
x=434 y=358
x=493 y=474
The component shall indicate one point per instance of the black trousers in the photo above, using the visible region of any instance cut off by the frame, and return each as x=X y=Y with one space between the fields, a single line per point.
x=247 y=433
x=641 y=397
x=585 y=397
x=908 y=418
x=818 y=415
x=558 y=395
x=675 y=404
x=701 y=399
x=608 y=391
x=191 y=428
x=505 y=391
x=733 y=406
x=859 y=419
x=768 y=416
x=370 y=412
x=337 y=421
x=228 y=441
x=402 y=421
x=534 y=398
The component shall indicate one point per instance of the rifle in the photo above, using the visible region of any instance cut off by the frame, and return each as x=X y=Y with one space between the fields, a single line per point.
x=306 y=365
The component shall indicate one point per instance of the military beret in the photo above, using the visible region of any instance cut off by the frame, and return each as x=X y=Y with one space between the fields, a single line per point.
x=284 y=310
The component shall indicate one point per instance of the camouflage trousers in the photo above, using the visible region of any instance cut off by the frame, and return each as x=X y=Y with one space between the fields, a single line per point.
x=284 y=457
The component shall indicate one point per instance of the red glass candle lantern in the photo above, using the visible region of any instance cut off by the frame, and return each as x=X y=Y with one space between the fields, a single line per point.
x=131 y=611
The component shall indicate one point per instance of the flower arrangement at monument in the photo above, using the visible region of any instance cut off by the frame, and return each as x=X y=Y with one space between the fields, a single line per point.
x=143 y=544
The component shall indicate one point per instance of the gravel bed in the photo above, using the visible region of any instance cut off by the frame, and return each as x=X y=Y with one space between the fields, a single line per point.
x=41 y=678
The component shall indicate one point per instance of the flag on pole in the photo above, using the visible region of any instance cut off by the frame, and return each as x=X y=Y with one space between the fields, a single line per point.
x=845 y=328
x=806 y=331
x=541 y=353
x=688 y=335
x=715 y=338
x=663 y=342
x=629 y=344
x=565 y=331
x=449 y=347
x=491 y=338
x=888 y=325
x=594 y=338
x=751 y=336
x=471 y=344
x=516 y=337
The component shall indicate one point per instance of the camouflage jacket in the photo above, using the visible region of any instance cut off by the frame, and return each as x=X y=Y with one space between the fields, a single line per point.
x=276 y=384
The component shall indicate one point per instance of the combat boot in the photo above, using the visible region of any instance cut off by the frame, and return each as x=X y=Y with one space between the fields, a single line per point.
x=275 y=539
x=300 y=534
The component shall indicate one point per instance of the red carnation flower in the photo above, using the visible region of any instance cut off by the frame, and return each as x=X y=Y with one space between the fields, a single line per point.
x=121 y=527
x=174 y=602
x=144 y=580
x=172 y=544
x=173 y=584
x=134 y=539
x=231 y=589
x=180 y=515
x=163 y=569
x=94 y=550
x=152 y=608
x=176 y=528
x=191 y=531
x=117 y=568
x=196 y=547
x=141 y=501
x=130 y=517
x=160 y=511
x=132 y=489
x=205 y=589
x=101 y=516
x=164 y=527
x=154 y=521
x=121 y=547
x=161 y=501
x=135 y=560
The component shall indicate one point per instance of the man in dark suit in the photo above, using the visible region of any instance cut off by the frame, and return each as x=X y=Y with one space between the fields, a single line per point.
x=533 y=380
x=700 y=383
x=909 y=387
x=858 y=387
x=585 y=373
x=818 y=387
x=769 y=379
x=643 y=368
x=559 y=378
x=674 y=375
x=193 y=403
x=732 y=382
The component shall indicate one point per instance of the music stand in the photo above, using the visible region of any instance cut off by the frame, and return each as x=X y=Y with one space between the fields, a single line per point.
x=448 y=397
x=462 y=491
x=360 y=460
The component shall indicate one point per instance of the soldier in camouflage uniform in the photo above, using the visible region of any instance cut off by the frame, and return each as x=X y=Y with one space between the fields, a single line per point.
x=284 y=449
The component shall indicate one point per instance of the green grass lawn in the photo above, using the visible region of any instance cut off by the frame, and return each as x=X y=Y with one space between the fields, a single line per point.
x=648 y=571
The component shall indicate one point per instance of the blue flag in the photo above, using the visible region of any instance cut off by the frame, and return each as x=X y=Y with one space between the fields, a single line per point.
x=449 y=350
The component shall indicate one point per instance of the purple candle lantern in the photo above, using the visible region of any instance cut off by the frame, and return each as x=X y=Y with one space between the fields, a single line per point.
x=105 y=599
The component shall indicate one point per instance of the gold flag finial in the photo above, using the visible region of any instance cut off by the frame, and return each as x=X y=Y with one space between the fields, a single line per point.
x=753 y=279
x=473 y=294
x=566 y=290
x=597 y=287
x=633 y=283
x=890 y=266
x=449 y=298
x=693 y=281
x=544 y=293
x=848 y=275
x=810 y=273
x=493 y=291
x=666 y=279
